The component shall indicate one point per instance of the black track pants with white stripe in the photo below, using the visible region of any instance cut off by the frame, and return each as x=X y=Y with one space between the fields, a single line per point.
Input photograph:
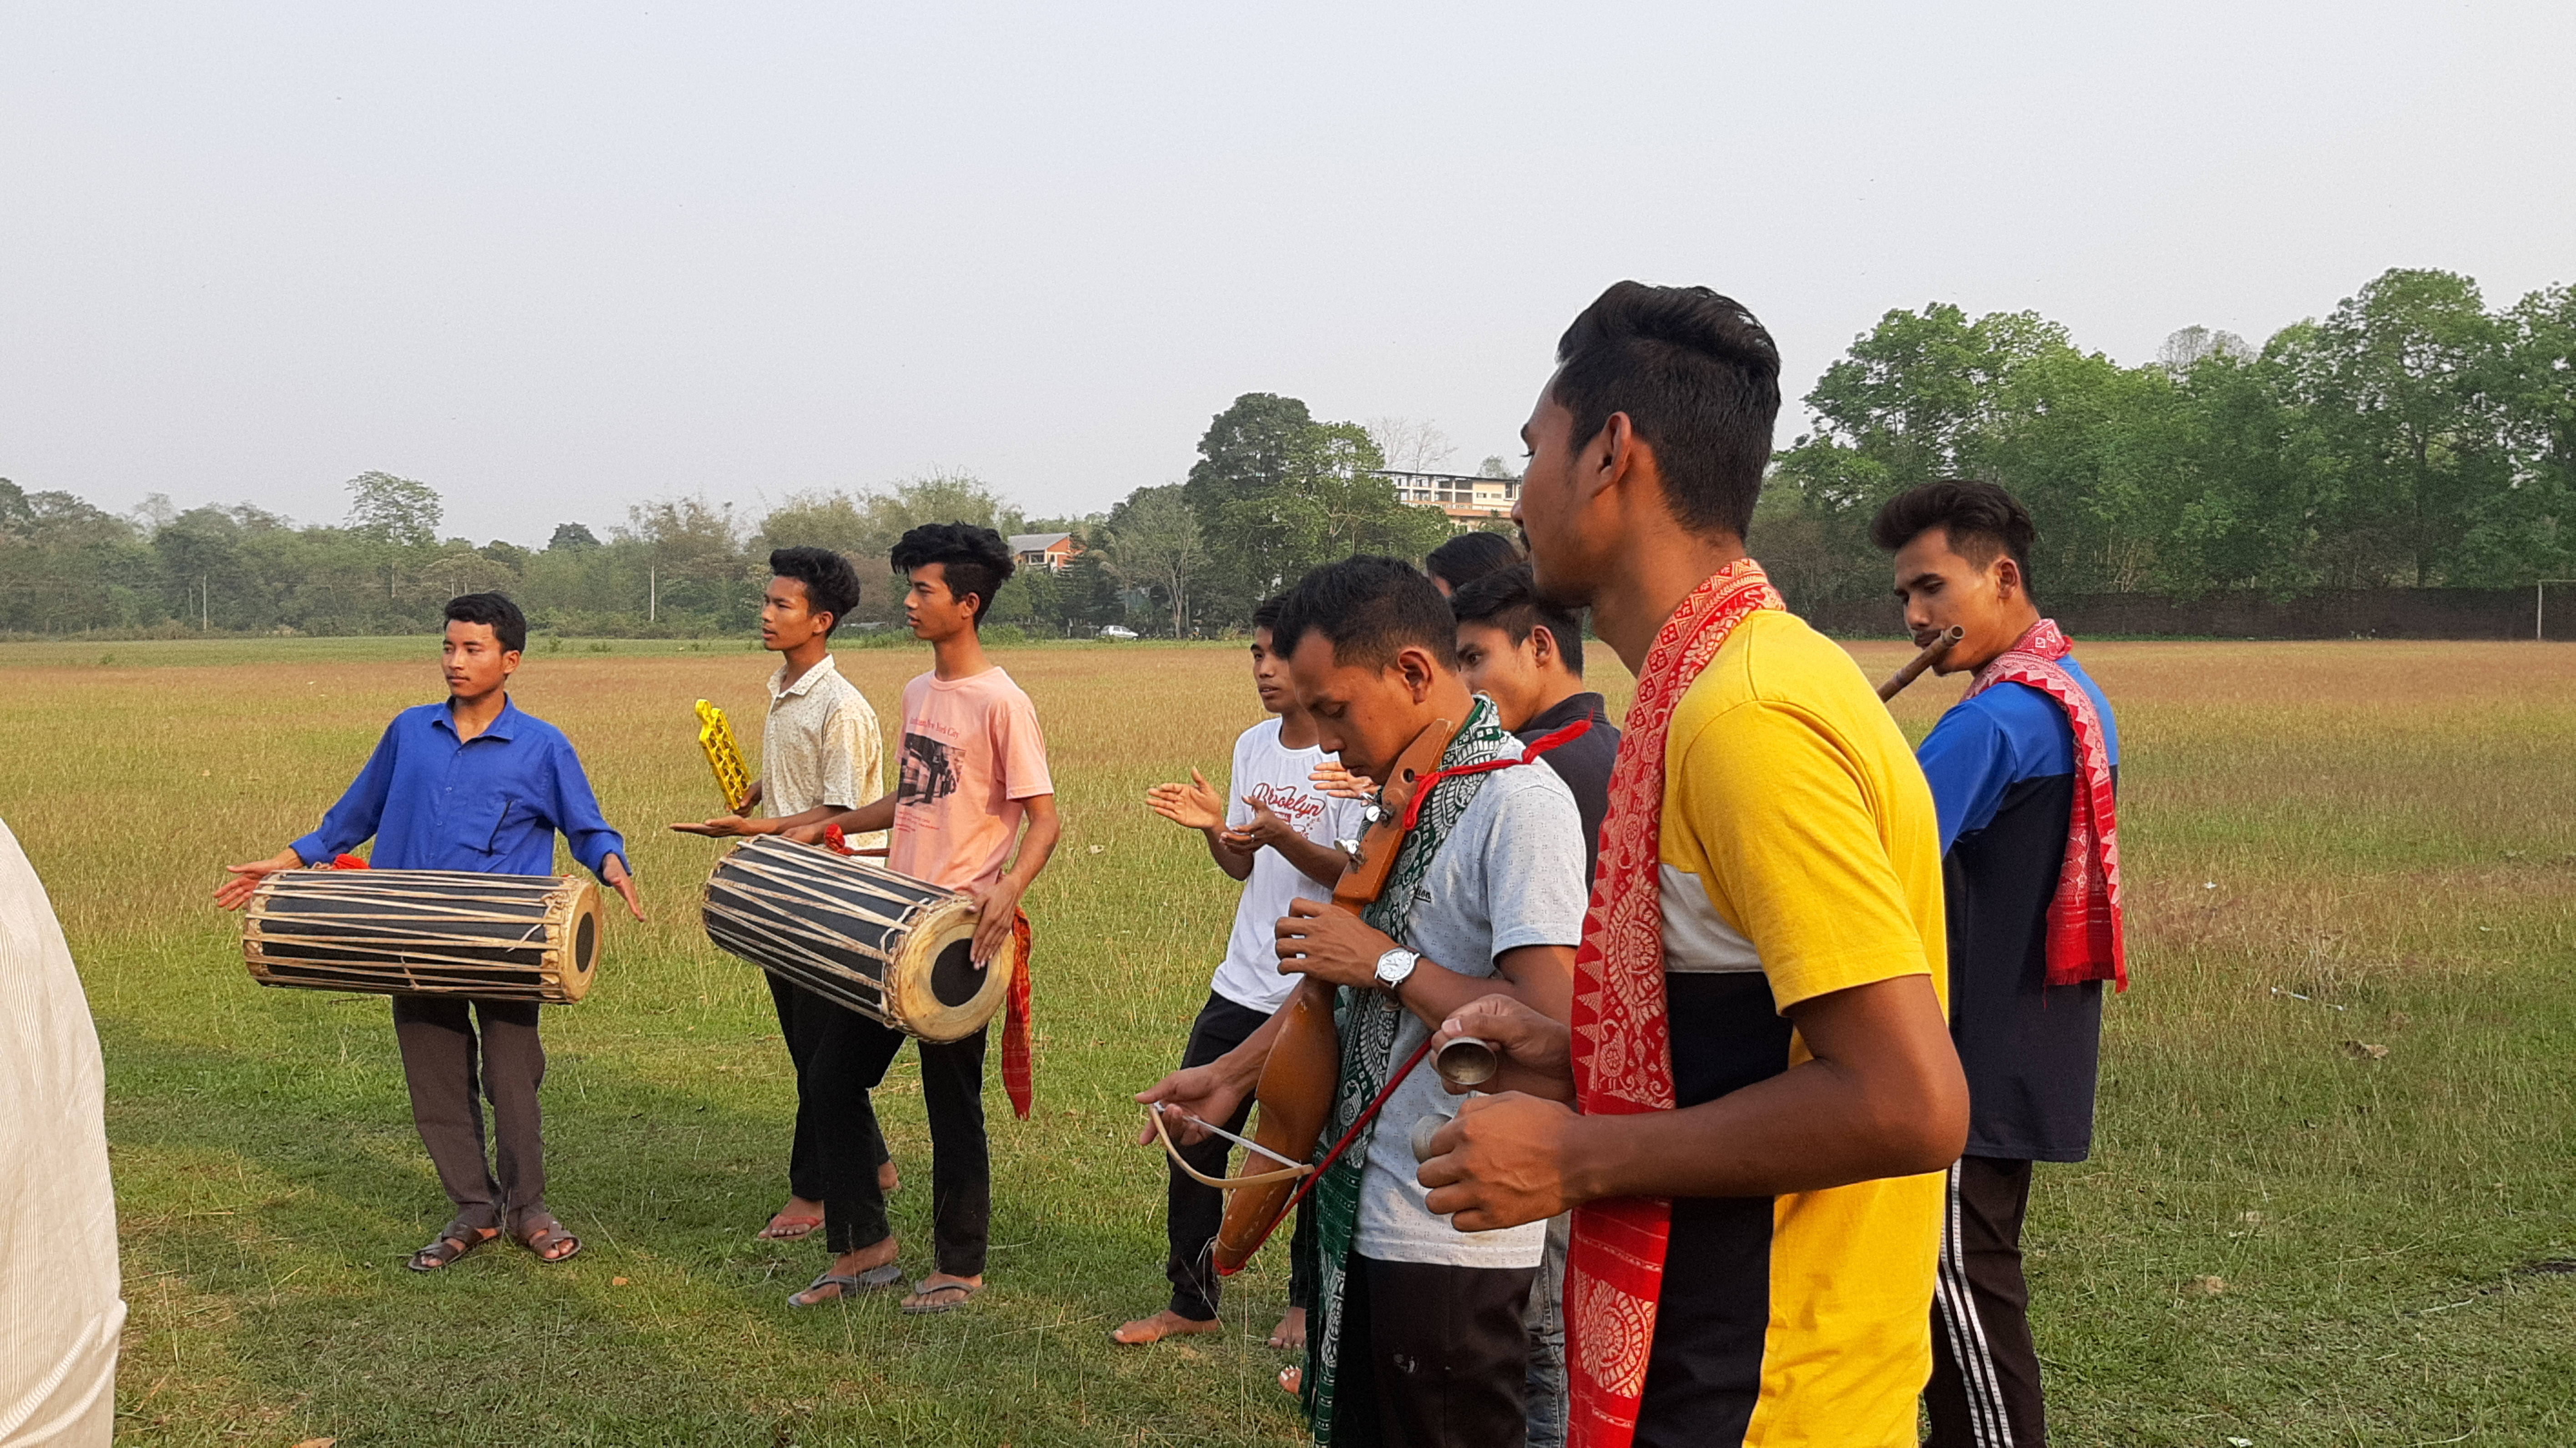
x=1984 y=1391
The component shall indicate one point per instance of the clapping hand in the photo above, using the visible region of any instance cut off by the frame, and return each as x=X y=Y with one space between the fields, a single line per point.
x=1333 y=779
x=1264 y=828
x=1193 y=806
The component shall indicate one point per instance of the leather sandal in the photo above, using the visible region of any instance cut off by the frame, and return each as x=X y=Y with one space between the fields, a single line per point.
x=540 y=1233
x=454 y=1241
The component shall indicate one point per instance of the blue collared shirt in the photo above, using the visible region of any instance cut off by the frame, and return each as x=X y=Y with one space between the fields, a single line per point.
x=491 y=804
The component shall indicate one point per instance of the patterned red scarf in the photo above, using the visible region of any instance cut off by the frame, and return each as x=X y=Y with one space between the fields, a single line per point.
x=2084 y=927
x=1623 y=1055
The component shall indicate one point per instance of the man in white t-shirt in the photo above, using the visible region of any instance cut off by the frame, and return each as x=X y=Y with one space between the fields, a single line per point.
x=1276 y=836
x=1416 y=1335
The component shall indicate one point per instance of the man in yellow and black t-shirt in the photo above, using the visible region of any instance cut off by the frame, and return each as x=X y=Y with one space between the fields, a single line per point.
x=1764 y=1089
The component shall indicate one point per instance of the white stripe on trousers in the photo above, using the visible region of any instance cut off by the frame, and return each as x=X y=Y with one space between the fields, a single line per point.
x=1967 y=1332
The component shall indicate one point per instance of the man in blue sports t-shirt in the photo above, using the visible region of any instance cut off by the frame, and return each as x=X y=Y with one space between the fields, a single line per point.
x=2022 y=772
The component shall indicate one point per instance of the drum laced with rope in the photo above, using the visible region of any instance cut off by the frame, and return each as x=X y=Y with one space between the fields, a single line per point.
x=895 y=949
x=425 y=932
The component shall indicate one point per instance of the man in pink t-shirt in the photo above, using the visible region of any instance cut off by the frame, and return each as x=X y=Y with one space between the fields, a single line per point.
x=973 y=772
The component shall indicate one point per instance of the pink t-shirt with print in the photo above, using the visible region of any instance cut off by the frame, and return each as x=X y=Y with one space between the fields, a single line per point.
x=971 y=753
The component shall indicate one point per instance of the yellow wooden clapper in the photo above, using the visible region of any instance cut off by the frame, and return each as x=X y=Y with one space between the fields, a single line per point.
x=724 y=756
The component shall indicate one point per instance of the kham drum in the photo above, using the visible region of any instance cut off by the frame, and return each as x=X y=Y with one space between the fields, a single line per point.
x=888 y=946
x=425 y=932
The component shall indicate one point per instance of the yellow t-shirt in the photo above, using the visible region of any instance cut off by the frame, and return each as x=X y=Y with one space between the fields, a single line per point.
x=1800 y=856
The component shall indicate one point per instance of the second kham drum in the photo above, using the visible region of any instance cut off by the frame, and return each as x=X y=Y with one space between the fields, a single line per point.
x=425 y=932
x=885 y=945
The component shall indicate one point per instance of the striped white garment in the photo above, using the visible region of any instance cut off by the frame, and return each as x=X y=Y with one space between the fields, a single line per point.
x=1956 y=1302
x=820 y=747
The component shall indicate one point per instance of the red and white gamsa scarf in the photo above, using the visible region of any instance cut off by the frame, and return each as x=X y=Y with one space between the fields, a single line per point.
x=1623 y=1052
x=2084 y=927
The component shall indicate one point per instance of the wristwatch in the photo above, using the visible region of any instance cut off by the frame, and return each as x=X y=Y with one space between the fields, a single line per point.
x=1396 y=967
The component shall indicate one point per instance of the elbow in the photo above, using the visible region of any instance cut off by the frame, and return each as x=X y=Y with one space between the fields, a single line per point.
x=1923 y=1127
x=1931 y=1135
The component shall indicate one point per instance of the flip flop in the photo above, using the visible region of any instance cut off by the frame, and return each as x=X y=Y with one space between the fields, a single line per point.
x=847 y=1285
x=919 y=1304
x=784 y=1228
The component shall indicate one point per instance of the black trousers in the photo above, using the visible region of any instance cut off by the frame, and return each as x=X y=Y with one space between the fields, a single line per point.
x=851 y=1054
x=1432 y=1356
x=800 y=1025
x=1192 y=1213
x=452 y=1069
x=1984 y=1391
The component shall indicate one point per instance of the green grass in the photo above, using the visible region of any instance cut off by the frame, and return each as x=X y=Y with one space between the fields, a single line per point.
x=2388 y=828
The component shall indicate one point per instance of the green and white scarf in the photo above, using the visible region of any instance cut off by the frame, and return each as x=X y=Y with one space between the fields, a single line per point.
x=1368 y=1021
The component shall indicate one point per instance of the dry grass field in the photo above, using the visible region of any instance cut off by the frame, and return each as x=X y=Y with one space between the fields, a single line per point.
x=2286 y=1237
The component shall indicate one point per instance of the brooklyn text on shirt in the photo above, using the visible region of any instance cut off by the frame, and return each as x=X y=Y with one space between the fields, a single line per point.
x=1292 y=805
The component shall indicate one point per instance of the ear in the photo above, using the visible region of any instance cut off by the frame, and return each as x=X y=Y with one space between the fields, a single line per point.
x=1542 y=645
x=2008 y=579
x=1413 y=663
x=1607 y=458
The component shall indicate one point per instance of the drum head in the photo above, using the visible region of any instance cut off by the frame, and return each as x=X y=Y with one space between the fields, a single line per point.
x=581 y=956
x=937 y=993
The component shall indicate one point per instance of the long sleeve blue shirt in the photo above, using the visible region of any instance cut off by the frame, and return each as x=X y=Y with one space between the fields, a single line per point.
x=490 y=804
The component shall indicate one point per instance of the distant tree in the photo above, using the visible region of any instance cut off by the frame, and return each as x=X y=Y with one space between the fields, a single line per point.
x=1155 y=543
x=1411 y=444
x=1494 y=467
x=572 y=535
x=394 y=510
x=2402 y=388
x=2184 y=349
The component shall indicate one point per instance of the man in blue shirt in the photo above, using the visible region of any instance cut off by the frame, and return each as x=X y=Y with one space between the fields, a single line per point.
x=470 y=784
x=2011 y=765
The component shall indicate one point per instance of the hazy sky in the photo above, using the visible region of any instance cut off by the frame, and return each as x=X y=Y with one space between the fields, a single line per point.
x=556 y=259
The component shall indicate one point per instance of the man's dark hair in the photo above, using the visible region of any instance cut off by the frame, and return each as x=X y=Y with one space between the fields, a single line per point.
x=496 y=610
x=973 y=560
x=1368 y=608
x=831 y=584
x=1470 y=556
x=1700 y=381
x=1980 y=519
x=1508 y=599
x=1265 y=614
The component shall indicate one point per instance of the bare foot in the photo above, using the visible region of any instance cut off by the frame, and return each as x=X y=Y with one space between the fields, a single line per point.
x=872 y=1258
x=943 y=1292
x=1163 y=1324
x=887 y=1177
x=799 y=1218
x=1290 y=1334
x=1292 y=1381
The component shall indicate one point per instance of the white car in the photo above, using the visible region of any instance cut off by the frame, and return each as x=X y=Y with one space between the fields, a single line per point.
x=1118 y=631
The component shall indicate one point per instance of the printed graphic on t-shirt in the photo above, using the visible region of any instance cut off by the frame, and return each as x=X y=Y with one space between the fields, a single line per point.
x=1296 y=807
x=929 y=775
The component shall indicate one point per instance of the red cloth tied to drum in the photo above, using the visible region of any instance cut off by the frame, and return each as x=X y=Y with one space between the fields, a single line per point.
x=1019 y=1078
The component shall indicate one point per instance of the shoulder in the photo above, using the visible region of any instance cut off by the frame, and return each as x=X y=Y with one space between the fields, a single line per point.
x=1775 y=673
x=1261 y=738
x=2016 y=709
x=1525 y=797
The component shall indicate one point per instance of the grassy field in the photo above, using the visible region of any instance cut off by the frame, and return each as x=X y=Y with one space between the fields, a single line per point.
x=2287 y=1237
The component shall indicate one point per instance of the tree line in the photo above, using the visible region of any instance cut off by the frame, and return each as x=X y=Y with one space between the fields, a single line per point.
x=2414 y=437
x=1275 y=492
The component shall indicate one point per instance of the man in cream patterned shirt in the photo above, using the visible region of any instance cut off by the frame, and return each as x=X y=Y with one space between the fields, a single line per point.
x=820 y=754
